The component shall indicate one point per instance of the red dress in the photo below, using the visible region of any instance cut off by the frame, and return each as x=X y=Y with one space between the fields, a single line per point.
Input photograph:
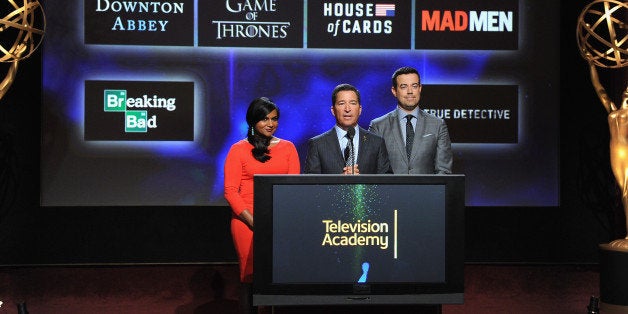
x=240 y=166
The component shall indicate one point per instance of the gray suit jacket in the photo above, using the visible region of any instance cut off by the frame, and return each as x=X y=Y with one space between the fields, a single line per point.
x=324 y=155
x=431 y=150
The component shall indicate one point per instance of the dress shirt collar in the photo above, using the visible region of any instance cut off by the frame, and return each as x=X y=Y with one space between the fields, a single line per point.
x=342 y=133
x=402 y=114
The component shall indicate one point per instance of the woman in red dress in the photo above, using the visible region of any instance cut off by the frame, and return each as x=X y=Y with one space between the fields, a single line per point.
x=259 y=153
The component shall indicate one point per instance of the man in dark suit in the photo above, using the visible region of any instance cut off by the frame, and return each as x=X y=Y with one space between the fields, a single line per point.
x=417 y=142
x=347 y=148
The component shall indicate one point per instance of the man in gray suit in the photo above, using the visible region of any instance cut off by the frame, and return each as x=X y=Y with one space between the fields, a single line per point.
x=347 y=148
x=417 y=142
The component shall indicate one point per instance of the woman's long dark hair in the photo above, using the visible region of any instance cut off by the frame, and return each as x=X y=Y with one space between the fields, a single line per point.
x=259 y=108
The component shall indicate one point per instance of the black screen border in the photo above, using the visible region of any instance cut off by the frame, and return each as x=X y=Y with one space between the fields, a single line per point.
x=265 y=292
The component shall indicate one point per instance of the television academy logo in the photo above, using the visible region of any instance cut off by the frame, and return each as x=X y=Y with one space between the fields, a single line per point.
x=136 y=120
x=359 y=233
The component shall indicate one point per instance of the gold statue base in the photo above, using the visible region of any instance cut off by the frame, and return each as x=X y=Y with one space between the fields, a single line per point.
x=614 y=277
x=617 y=245
x=613 y=308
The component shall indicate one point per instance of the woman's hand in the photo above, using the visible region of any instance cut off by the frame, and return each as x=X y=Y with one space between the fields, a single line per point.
x=247 y=217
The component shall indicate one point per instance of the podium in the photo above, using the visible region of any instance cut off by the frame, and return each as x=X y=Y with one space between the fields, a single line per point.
x=358 y=240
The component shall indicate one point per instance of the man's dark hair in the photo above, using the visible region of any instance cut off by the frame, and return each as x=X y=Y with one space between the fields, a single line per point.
x=344 y=87
x=404 y=70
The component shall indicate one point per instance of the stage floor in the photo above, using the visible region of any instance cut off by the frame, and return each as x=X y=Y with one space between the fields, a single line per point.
x=183 y=289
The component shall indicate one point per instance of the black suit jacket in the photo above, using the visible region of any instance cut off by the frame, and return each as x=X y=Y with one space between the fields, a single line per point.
x=324 y=155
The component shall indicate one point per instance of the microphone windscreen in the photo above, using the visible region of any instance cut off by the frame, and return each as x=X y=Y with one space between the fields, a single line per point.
x=350 y=132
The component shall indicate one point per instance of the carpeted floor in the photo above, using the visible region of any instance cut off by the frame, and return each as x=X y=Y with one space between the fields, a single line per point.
x=179 y=289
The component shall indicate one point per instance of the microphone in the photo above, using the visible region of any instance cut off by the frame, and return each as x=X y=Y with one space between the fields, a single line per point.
x=350 y=134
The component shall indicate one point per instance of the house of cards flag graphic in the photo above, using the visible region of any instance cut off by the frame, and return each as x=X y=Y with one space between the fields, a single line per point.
x=384 y=10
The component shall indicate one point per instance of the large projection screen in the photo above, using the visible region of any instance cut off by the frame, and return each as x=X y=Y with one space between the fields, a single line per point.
x=143 y=99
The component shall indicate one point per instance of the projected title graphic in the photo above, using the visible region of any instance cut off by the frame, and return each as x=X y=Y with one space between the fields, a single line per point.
x=481 y=108
x=118 y=110
x=139 y=22
x=452 y=24
x=251 y=23
x=362 y=24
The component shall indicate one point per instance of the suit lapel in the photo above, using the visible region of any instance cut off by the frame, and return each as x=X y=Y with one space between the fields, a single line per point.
x=364 y=145
x=331 y=142
x=418 y=133
x=397 y=135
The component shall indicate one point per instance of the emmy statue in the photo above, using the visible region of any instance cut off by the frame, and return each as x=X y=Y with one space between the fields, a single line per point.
x=602 y=35
x=22 y=28
x=603 y=41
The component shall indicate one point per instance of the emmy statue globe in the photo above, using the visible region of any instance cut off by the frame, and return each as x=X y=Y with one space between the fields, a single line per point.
x=602 y=35
x=22 y=28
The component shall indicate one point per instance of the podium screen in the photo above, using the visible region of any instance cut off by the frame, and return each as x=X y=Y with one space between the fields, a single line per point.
x=358 y=233
x=386 y=238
